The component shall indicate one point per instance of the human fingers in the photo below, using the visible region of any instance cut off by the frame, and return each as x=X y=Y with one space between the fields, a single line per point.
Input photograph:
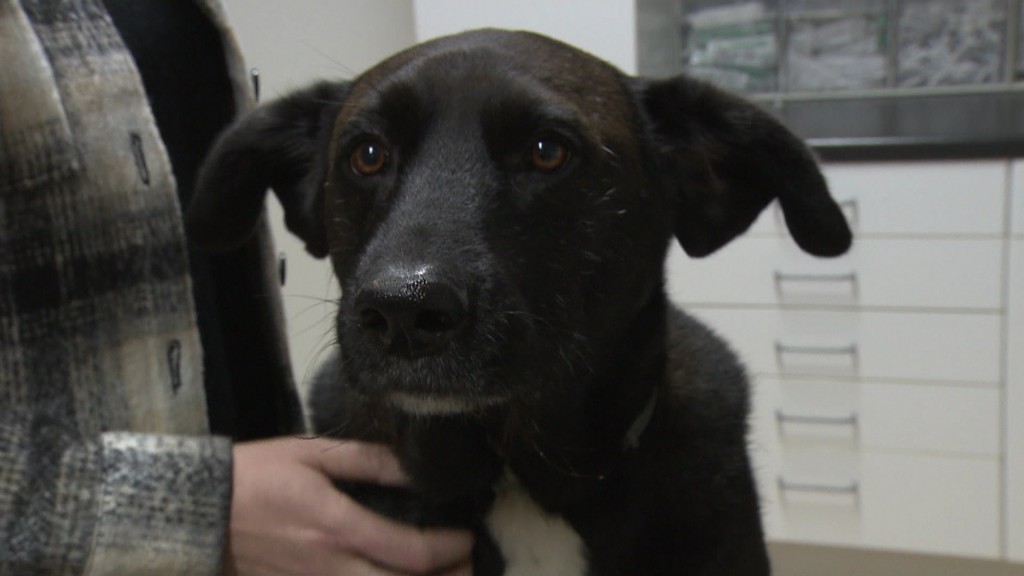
x=322 y=564
x=365 y=568
x=400 y=547
x=353 y=460
x=286 y=516
x=464 y=569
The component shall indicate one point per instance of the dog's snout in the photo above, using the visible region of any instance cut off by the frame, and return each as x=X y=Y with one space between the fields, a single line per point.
x=415 y=313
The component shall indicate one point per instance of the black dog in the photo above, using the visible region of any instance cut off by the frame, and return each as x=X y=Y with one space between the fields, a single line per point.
x=497 y=208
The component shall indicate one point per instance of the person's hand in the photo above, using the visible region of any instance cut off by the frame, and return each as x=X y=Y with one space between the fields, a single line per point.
x=287 y=518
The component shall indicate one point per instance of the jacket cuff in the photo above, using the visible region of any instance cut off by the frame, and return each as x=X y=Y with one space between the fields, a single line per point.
x=162 y=506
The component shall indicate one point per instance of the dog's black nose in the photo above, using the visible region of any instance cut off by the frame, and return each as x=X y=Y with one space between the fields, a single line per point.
x=414 y=312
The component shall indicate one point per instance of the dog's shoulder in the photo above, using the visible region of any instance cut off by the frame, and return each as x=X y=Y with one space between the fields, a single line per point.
x=707 y=382
x=691 y=485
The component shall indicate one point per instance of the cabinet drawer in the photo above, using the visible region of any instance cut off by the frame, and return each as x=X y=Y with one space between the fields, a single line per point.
x=926 y=198
x=890 y=272
x=929 y=504
x=929 y=347
x=847 y=414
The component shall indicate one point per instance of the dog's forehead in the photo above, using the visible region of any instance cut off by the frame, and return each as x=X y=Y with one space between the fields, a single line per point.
x=492 y=68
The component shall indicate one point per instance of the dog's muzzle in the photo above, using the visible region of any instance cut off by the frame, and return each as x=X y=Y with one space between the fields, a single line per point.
x=420 y=341
x=412 y=312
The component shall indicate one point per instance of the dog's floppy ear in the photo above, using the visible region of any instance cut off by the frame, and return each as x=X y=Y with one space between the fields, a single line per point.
x=281 y=146
x=725 y=159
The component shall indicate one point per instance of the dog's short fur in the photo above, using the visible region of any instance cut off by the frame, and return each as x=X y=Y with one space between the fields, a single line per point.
x=497 y=208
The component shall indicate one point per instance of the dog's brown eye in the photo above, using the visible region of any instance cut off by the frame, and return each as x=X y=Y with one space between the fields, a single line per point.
x=369 y=158
x=548 y=155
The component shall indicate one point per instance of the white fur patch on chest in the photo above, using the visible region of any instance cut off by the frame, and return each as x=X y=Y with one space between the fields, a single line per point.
x=533 y=542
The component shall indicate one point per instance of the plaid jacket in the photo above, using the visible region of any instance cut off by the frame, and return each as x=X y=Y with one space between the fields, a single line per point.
x=107 y=464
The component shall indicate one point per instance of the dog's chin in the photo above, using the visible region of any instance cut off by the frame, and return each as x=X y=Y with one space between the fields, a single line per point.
x=427 y=404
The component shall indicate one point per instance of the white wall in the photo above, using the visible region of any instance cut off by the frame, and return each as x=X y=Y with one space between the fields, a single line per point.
x=295 y=43
x=606 y=29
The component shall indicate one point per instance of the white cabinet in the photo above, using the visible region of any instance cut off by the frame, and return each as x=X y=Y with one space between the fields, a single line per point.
x=1015 y=374
x=880 y=377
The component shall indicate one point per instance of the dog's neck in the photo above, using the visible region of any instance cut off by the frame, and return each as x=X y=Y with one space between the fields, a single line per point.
x=633 y=381
x=582 y=449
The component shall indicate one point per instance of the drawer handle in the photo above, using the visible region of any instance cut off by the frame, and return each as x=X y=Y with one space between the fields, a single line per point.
x=783 y=418
x=850 y=209
x=781 y=278
x=851 y=351
x=850 y=489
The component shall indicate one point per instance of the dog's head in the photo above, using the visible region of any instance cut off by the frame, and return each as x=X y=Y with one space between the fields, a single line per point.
x=497 y=207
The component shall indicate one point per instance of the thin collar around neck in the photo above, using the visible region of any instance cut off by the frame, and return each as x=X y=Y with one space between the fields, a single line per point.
x=640 y=423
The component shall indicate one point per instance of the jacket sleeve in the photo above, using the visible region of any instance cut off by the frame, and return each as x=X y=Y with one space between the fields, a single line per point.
x=116 y=503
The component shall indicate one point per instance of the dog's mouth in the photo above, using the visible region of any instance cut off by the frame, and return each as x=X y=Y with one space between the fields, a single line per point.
x=468 y=384
x=426 y=404
x=397 y=357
